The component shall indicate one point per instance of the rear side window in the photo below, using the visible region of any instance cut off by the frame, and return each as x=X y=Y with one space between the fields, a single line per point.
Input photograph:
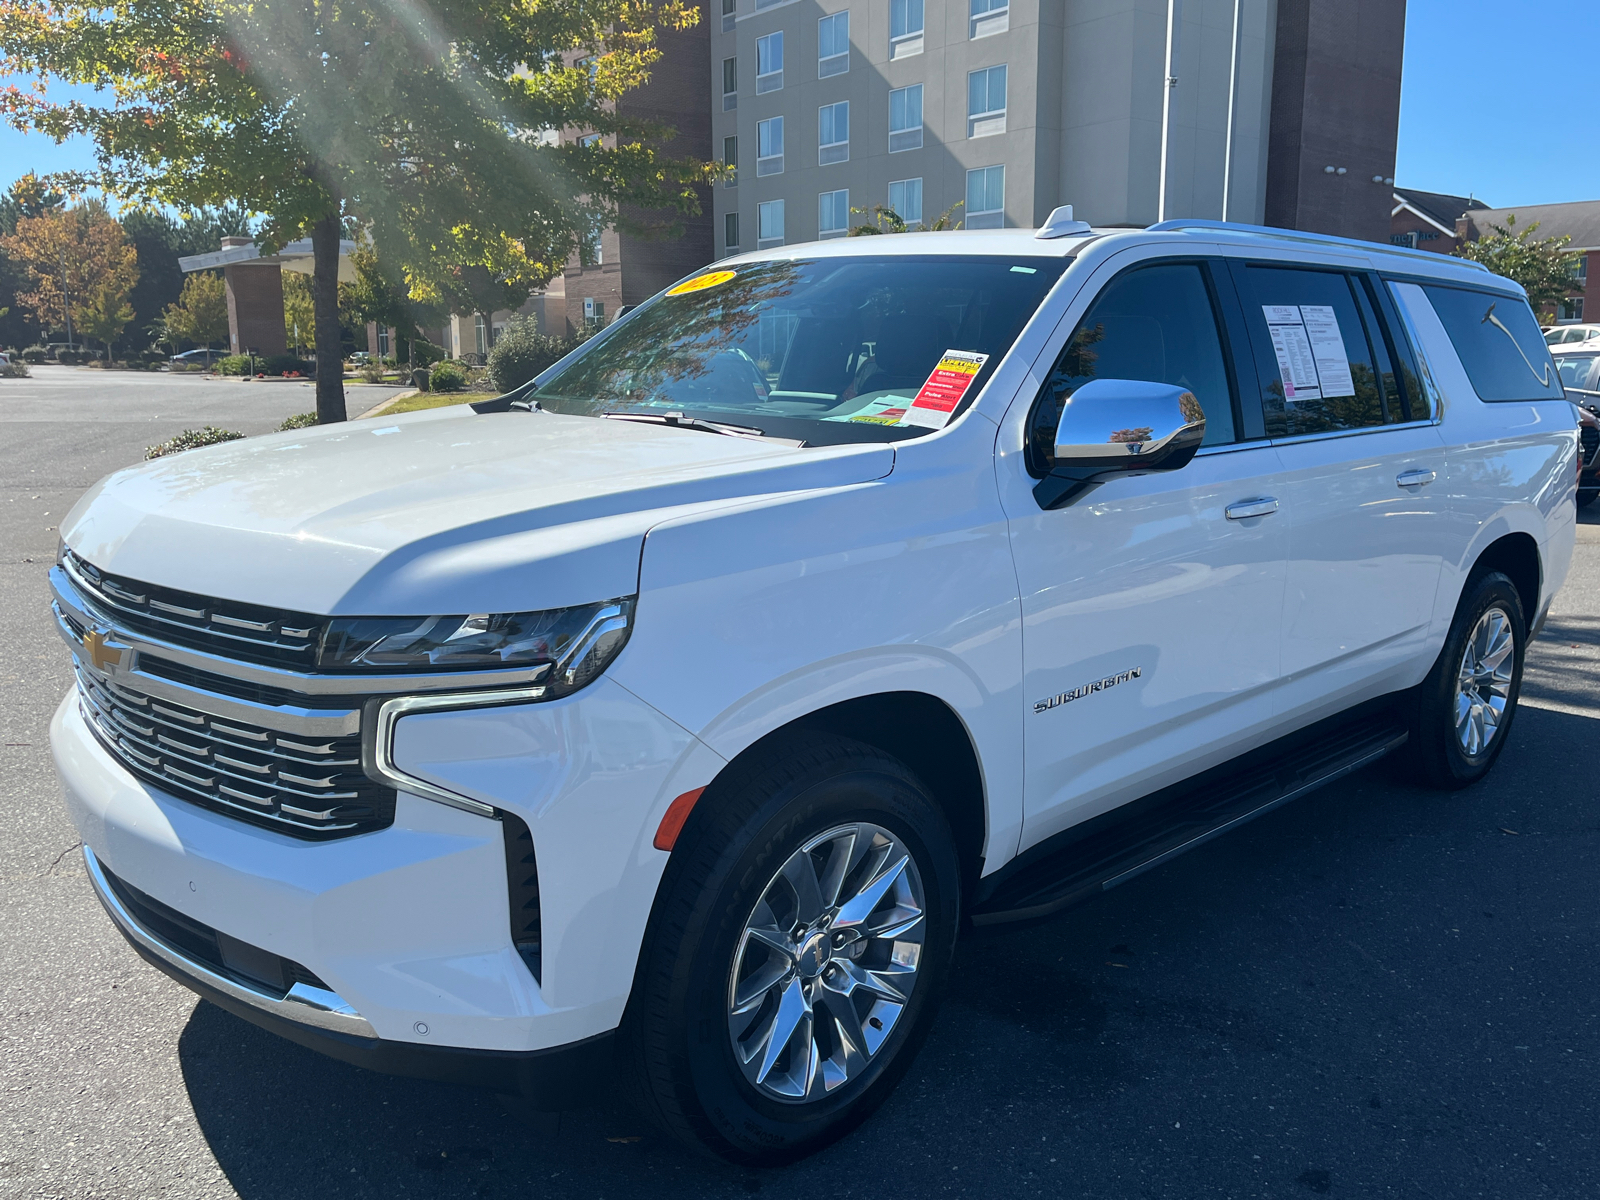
x=1323 y=363
x=1498 y=342
x=1156 y=324
x=1577 y=371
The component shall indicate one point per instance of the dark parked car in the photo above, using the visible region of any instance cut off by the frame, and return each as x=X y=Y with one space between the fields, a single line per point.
x=1580 y=376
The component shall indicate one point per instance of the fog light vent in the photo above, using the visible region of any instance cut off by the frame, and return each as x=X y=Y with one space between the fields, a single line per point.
x=522 y=887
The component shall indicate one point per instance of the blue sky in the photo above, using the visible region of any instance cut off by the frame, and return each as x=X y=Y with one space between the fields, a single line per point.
x=1480 y=109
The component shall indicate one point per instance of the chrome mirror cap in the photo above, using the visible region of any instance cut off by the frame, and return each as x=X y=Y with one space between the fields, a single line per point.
x=1119 y=427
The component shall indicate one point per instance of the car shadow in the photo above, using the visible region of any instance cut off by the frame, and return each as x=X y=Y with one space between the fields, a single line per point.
x=1218 y=1025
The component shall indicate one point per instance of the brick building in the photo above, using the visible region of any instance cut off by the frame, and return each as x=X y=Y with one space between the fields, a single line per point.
x=1580 y=221
x=1427 y=220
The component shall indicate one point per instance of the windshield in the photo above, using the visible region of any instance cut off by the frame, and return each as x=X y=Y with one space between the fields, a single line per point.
x=826 y=351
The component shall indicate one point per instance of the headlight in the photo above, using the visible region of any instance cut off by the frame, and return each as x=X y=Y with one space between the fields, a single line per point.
x=575 y=643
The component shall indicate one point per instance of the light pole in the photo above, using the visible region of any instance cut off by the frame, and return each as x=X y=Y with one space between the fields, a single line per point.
x=1169 y=82
x=1233 y=92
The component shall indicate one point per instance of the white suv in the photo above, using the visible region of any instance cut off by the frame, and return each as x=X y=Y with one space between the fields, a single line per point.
x=674 y=714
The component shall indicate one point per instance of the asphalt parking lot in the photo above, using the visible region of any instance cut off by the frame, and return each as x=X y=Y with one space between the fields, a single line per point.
x=1376 y=991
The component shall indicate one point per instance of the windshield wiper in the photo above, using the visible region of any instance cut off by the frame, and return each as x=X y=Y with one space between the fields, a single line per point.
x=685 y=422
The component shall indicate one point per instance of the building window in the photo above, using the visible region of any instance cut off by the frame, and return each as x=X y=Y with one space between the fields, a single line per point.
x=986 y=198
x=905 y=118
x=769 y=224
x=730 y=232
x=481 y=333
x=593 y=254
x=730 y=159
x=1580 y=270
x=730 y=83
x=589 y=139
x=769 y=63
x=1569 y=311
x=986 y=101
x=833 y=214
x=769 y=146
x=988 y=16
x=730 y=14
x=905 y=200
x=594 y=313
x=833 y=133
x=383 y=341
x=833 y=45
x=905 y=28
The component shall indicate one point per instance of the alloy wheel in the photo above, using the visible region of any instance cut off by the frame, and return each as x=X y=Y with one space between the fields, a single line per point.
x=826 y=963
x=1483 y=682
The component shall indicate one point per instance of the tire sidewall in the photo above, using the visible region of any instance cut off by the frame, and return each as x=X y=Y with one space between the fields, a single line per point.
x=757 y=1127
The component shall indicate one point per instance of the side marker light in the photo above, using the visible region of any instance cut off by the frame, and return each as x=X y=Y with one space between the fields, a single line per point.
x=672 y=824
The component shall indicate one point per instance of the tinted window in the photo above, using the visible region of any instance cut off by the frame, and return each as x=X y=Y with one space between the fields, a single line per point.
x=1498 y=342
x=1577 y=371
x=1319 y=369
x=1156 y=324
x=827 y=350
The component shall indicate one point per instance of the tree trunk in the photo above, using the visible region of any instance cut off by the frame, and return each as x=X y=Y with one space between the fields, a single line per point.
x=325 y=304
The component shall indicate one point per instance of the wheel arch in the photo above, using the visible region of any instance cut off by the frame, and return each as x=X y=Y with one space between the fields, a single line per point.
x=1517 y=556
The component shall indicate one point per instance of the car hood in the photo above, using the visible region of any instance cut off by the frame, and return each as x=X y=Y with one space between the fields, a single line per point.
x=444 y=511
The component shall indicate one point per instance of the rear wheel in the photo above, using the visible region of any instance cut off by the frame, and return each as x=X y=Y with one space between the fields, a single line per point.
x=1465 y=707
x=797 y=951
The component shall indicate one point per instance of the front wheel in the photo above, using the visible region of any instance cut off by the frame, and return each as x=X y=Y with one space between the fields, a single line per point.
x=797 y=951
x=1465 y=706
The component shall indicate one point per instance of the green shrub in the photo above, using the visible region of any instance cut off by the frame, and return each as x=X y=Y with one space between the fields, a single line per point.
x=425 y=352
x=15 y=369
x=191 y=439
x=68 y=358
x=372 y=371
x=521 y=352
x=233 y=364
x=446 y=377
x=298 y=421
x=284 y=364
x=35 y=355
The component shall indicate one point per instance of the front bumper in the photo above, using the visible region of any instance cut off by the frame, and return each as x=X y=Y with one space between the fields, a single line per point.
x=559 y=1077
x=408 y=927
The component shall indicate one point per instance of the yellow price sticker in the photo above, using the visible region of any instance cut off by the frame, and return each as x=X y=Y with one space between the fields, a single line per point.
x=700 y=282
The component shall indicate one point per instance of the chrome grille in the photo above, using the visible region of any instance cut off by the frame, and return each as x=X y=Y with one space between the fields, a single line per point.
x=250 y=633
x=311 y=787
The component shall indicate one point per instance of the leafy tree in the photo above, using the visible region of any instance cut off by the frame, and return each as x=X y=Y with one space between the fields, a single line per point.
x=299 y=308
x=201 y=312
x=1543 y=266
x=82 y=249
x=27 y=197
x=418 y=122
x=886 y=220
x=161 y=238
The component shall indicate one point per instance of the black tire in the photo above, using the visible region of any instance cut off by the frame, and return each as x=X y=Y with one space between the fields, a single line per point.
x=747 y=826
x=1436 y=752
x=1586 y=496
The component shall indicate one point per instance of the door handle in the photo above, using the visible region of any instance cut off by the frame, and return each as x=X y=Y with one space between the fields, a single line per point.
x=1261 y=506
x=1415 y=479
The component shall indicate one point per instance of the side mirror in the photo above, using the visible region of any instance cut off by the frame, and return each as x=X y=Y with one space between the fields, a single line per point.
x=1120 y=427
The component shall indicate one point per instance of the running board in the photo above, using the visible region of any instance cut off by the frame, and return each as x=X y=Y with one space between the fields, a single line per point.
x=1125 y=843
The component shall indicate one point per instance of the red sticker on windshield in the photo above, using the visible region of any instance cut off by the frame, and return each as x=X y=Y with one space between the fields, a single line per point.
x=936 y=403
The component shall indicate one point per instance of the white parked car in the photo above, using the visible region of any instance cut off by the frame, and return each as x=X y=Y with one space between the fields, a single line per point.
x=1571 y=335
x=675 y=715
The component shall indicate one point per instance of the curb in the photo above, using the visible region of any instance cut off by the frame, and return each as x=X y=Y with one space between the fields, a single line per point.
x=384 y=406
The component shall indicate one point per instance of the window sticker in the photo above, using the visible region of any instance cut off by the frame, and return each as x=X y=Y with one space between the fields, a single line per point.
x=936 y=402
x=1327 y=347
x=700 y=282
x=1312 y=361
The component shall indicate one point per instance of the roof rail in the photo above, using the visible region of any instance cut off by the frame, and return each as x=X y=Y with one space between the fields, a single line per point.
x=1320 y=239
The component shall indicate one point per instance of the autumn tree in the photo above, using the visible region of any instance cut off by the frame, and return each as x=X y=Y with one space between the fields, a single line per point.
x=201 y=312
x=1543 y=266
x=81 y=250
x=425 y=124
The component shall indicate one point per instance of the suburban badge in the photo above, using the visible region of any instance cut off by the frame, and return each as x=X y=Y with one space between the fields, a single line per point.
x=1078 y=693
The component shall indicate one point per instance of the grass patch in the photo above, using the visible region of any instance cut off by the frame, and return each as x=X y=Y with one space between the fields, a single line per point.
x=434 y=400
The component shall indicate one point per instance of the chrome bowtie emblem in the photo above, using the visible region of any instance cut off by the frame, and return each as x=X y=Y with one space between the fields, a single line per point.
x=101 y=653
